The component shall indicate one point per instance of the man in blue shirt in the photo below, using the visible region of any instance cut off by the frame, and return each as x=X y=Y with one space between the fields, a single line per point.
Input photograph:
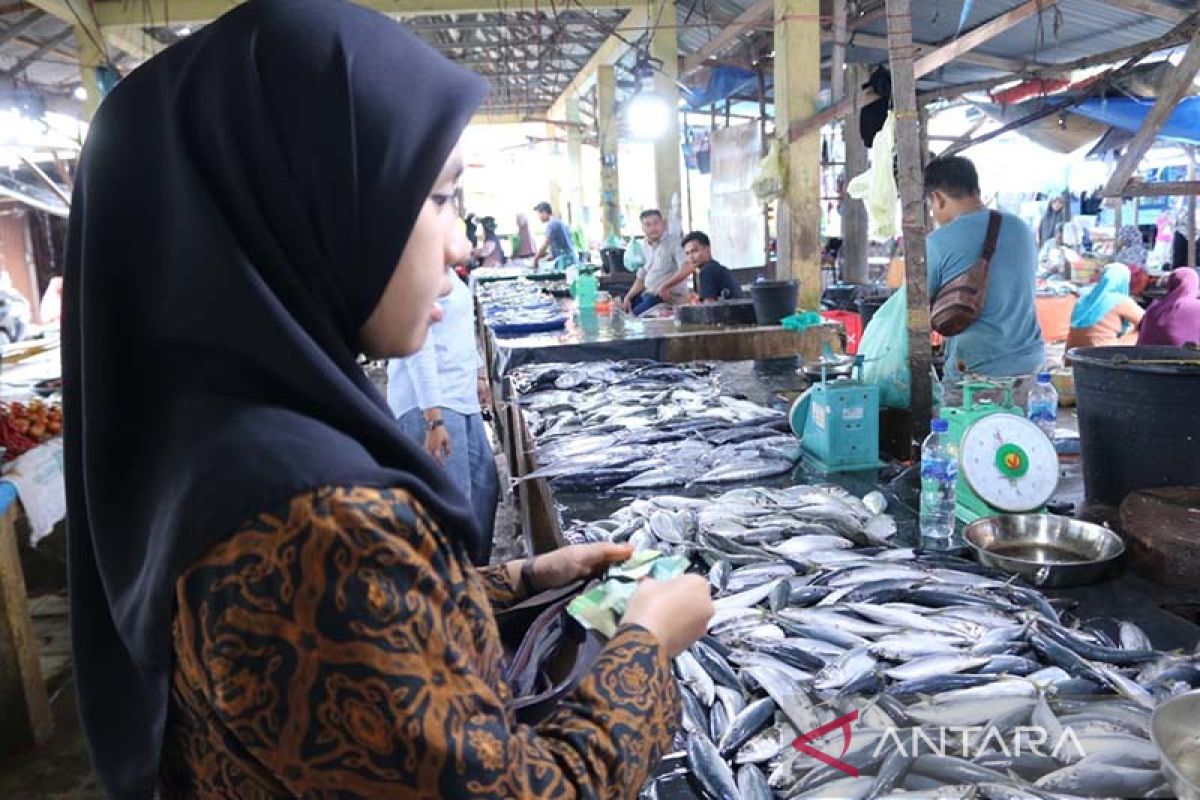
x=1005 y=340
x=558 y=238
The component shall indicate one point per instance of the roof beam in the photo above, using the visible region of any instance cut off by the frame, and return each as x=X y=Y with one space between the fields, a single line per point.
x=44 y=48
x=194 y=12
x=20 y=26
x=1174 y=88
x=79 y=13
x=615 y=46
x=1152 y=8
x=924 y=49
x=977 y=36
x=1139 y=188
x=749 y=18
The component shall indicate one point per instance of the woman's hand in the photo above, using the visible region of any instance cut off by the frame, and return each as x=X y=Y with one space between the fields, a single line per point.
x=676 y=612
x=568 y=564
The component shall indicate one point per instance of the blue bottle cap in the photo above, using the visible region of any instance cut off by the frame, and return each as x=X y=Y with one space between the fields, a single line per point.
x=940 y=426
x=1043 y=377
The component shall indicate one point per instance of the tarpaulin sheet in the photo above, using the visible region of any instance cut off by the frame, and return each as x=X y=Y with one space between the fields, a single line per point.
x=1129 y=114
x=722 y=82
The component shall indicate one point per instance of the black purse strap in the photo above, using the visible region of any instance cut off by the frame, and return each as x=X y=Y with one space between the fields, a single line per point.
x=993 y=235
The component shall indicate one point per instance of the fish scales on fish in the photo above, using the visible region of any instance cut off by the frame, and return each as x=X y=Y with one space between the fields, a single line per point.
x=807 y=631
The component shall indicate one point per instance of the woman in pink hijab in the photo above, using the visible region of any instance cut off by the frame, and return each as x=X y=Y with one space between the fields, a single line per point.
x=1174 y=320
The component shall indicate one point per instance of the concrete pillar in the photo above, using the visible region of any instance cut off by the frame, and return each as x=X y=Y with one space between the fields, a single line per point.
x=606 y=121
x=575 y=162
x=665 y=47
x=797 y=84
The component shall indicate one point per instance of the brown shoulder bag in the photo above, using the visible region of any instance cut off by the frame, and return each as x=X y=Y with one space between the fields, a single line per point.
x=959 y=302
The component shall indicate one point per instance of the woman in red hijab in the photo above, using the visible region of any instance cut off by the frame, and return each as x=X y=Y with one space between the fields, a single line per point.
x=1174 y=320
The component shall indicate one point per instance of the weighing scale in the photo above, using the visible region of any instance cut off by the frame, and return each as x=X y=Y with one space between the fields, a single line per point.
x=1006 y=465
x=838 y=423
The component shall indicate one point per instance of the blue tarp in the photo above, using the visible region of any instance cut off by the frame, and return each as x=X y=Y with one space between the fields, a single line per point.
x=1128 y=114
x=722 y=82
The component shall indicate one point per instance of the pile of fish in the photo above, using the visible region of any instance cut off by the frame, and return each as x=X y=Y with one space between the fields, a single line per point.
x=630 y=426
x=519 y=302
x=923 y=674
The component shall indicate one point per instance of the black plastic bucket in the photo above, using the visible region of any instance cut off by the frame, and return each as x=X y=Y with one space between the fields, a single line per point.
x=1138 y=426
x=613 y=259
x=774 y=300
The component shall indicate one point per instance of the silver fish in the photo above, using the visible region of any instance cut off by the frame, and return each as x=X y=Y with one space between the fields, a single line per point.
x=752 y=784
x=692 y=675
x=791 y=699
x=710 y=769
x=940 y=664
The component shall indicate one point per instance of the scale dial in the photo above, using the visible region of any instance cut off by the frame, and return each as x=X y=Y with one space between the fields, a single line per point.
x=1009 y=463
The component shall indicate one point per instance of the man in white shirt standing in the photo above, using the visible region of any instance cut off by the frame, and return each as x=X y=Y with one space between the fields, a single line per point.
x=661 y=264
x=437 y=395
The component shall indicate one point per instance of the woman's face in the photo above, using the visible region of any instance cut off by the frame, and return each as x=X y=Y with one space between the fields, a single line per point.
x=400 y=322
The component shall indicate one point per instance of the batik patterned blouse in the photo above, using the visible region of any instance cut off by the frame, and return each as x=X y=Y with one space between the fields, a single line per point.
x=343 y=647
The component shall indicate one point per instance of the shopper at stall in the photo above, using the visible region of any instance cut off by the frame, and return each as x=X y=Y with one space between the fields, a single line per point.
x=1004 y=340
x=1106 y=315
x=490 y=253
x=272 y=590
x=661 y=263
x=1131 y=251
x=524 y=247
x=1051 y=227
x=558 y=238
x=1173 y=320
x=437 y=396
x=716 y=281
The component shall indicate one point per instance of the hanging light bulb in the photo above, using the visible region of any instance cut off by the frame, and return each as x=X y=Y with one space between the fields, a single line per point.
x=648 y=115
x=80 y=93
x=184 y=31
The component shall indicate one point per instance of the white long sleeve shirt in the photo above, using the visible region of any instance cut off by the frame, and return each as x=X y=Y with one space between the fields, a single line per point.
x=443 y=373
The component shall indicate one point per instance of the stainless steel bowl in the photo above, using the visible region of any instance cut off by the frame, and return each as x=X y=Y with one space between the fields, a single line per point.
x=1045 y=549
x=836 y=367
x=1175 y=731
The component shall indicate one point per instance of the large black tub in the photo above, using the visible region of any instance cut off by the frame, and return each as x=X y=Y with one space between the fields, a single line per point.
x=1139 y=419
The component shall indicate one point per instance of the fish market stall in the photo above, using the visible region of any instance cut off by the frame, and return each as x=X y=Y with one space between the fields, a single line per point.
x=842 y=662
x=523 y=325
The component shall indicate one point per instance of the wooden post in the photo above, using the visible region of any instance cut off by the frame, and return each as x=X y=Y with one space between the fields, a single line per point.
x=797 y=84
x=664 y=46
x=855 y=268
x=912 y=196
x=574 y=160
x=1191 y=209
x=24 y=706
x=766 y=147
x=90 y=57
x=1170 y=93
x=607 y=128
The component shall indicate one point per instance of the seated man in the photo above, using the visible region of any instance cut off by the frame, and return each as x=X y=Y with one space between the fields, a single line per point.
x=1005 y=339
x=661 y=264
x=716 y=281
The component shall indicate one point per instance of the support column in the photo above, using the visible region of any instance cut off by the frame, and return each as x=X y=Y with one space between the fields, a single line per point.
x=855 y=268
x=1191 y=209
x=797 y=84
x=606 y=122
x=574 y=161
x=665 y=47
x=912 y=197
x=90 y=58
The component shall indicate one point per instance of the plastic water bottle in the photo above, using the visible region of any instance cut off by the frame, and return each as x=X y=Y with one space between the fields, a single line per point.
x=939 y=475
x=1043 y=405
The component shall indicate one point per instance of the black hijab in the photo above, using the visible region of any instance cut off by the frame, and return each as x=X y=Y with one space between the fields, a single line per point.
x=242 y=202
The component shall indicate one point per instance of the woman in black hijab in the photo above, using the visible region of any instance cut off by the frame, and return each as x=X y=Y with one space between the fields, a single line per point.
x=272 y=590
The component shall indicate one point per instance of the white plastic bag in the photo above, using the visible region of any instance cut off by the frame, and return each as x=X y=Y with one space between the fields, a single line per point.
x=877 y=186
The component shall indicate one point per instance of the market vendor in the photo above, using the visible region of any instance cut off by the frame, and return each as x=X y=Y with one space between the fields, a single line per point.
x=1173 y=320
x=661 y=264
x=716 y=281
x=273 y=590
x=491 y=252
x=1106 y=316
x=1004 y=341
x=558 y=238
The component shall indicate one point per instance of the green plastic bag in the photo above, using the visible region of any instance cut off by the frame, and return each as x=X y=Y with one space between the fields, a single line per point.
x=884 y=348
x=635 y=259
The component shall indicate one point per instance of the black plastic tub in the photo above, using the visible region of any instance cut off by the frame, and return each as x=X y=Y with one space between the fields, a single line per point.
x=1138 y=421
x=774 y=300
